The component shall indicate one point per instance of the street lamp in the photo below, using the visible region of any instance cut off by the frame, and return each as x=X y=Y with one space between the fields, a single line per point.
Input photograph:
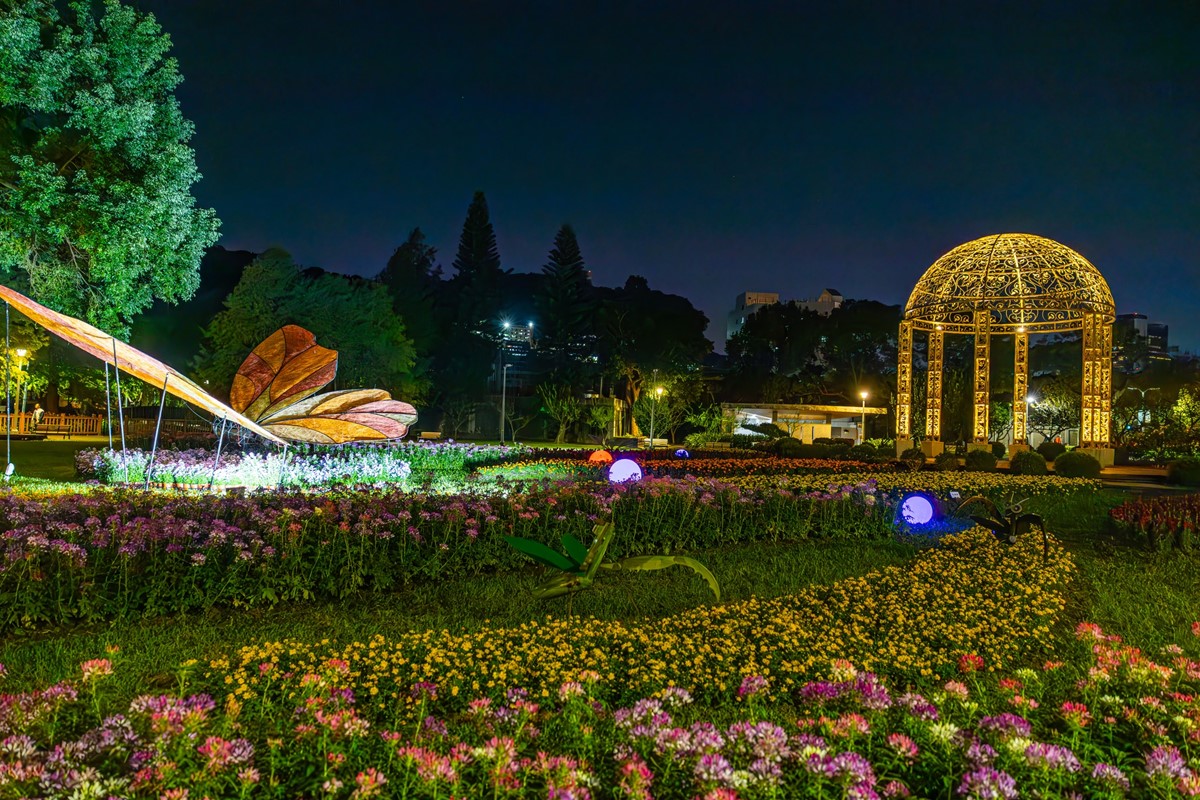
x=21 y=366
x=503 y=398
x=862 y=431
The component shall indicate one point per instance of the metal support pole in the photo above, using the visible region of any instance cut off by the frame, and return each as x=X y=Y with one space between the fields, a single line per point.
x=503 y=398
x=108 y=404
x=7 y=398
x=217 y=461
x=162 y=401
x=982 y=394
x=120 y=411
x=283 y=465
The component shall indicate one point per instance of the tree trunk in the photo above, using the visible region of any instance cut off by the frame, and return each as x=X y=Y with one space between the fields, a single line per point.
x=562 y=433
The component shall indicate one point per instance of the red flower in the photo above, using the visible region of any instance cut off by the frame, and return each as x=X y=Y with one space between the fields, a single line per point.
x=969 y=662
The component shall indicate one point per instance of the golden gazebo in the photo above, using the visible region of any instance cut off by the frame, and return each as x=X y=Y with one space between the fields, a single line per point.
x=1008 y=284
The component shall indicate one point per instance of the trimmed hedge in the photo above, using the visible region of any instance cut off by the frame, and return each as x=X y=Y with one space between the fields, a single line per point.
x=981 y=461
x=1184 y=471
x=1051 y=450
x=1077 y=464
x=1027 y=463
x=946 y=461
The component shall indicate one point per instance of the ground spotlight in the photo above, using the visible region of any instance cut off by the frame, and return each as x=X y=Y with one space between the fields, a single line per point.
x=624 y=470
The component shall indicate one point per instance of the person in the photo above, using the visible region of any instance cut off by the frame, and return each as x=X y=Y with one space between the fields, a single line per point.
x=38 y=413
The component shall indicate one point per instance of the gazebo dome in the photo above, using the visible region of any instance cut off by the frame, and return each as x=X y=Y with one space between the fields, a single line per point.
x=1028 y=283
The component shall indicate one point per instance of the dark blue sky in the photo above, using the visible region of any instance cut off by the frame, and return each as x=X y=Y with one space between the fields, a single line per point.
x=712 y=147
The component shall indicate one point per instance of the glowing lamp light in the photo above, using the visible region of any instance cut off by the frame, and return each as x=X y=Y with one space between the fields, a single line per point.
x=916 y=509
x=681 y=453
x=624 y=470
x=600 y=457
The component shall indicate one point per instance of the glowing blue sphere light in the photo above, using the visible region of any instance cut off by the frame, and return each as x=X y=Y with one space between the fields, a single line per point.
x=681 y=453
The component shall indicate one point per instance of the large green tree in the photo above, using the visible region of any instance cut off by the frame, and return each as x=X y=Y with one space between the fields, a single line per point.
x=566 y=306
x=413 y=280
x=348 y=314
x=97 y=218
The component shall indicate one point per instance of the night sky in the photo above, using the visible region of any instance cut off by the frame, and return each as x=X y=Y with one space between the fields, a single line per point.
x=714 y=148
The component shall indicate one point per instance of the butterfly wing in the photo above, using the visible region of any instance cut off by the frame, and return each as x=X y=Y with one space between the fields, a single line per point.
x=352 y=415
x=286 y=368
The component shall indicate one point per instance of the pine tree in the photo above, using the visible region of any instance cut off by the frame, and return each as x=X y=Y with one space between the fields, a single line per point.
x=566 y=307
x=478 y=255
x=412 y=278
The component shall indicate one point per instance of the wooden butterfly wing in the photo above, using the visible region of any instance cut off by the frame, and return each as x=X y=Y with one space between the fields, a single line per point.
x=286 y=368
x=351 y=415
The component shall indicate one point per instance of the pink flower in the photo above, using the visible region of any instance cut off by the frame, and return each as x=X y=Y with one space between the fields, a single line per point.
x=957 y=689
x=96 y=668
x=370 y=782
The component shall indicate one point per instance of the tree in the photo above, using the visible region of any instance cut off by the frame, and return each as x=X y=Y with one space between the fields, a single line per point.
x=351 y=315
x=413 y=280
x=1056 y=408
x=658 y=413
x=96 y=214
x=566 y=306
x=560 y=404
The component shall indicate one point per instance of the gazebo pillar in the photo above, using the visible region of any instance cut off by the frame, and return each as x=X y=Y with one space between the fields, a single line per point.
x=1097 y=386
x=933 y=388
x=982 y=387
x=1020 y=419
x=904 y=384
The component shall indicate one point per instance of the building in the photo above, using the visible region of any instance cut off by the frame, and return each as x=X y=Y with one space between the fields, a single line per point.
x=1140 y=342
x=744 y=306
x=749 y=302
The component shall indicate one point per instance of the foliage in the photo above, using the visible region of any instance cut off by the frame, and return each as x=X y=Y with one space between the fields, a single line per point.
x=660 y=415
x=1077 y=464
x=1008 y=524
x=946 y=461
x=981 y=461
x=1184 y=471
x=96 y=213
x=566 y=307
x=562 y=405
x=350 y=315
x=1027 y=462
x=998 y=450
x=412 y=278
x=787 y=447
x=767 y=429
x=913 y=458
x=1056 y=408
x=1161 y=521
x=1051 y=450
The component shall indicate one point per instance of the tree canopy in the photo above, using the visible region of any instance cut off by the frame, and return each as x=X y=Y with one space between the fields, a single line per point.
x=351 y=315
x=97 y=219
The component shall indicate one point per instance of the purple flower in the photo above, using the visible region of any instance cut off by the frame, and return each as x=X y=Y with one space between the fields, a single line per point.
x=1006 y=725
x=1051 y=756
x=986 y=783
x=752 y=686
x=1166 y=761
x=714 y=768
x=1110 y=777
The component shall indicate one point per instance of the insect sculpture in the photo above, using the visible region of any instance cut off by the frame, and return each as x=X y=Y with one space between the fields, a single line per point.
x=1009 y=524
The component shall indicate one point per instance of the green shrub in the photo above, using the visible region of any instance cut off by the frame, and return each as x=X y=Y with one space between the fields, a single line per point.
x=998 y=450
x=1027 y=463
x=768 y=429
x=746 y=441
x=1051 y=450
x=913 y=458
x=788 y=447
x=864 y=452
x=946 y=462
x=1077 y=464
x=981 y=460
x=1184 y=471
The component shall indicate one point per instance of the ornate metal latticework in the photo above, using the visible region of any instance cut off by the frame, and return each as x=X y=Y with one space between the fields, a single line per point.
x=1010 y=283
x=904 y=383
x=1027 y=282
x=1020 y=416
x=982 y=396
x=933 y=388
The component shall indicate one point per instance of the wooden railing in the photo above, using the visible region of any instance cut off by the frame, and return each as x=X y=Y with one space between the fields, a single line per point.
x=64 y=424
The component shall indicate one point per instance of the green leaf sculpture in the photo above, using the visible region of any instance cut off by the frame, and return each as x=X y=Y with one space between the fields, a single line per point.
x=1006 y=525
x=577 y=566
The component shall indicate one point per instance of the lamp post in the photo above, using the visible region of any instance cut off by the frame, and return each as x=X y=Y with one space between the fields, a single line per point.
x=503 y=399
x=862 y=430
x=653 y=407
x=21 y=353
x=1142 y=410
x=1030 y=401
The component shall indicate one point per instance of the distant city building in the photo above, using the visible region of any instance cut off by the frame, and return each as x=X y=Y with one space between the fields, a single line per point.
x=749 y=302
x=1140 y=341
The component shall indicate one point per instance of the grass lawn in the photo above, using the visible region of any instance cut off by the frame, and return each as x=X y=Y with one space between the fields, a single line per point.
x=52 y=459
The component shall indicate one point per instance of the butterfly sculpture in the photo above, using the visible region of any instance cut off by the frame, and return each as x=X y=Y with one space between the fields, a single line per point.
x=276 y=388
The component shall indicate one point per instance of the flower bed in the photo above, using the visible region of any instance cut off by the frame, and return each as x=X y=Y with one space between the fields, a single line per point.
x=442 y=464
x=560 y=468
x=109 y=553
x=971 y=596
x=1121 y=725
x=1161 y=521
x=939 y=483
